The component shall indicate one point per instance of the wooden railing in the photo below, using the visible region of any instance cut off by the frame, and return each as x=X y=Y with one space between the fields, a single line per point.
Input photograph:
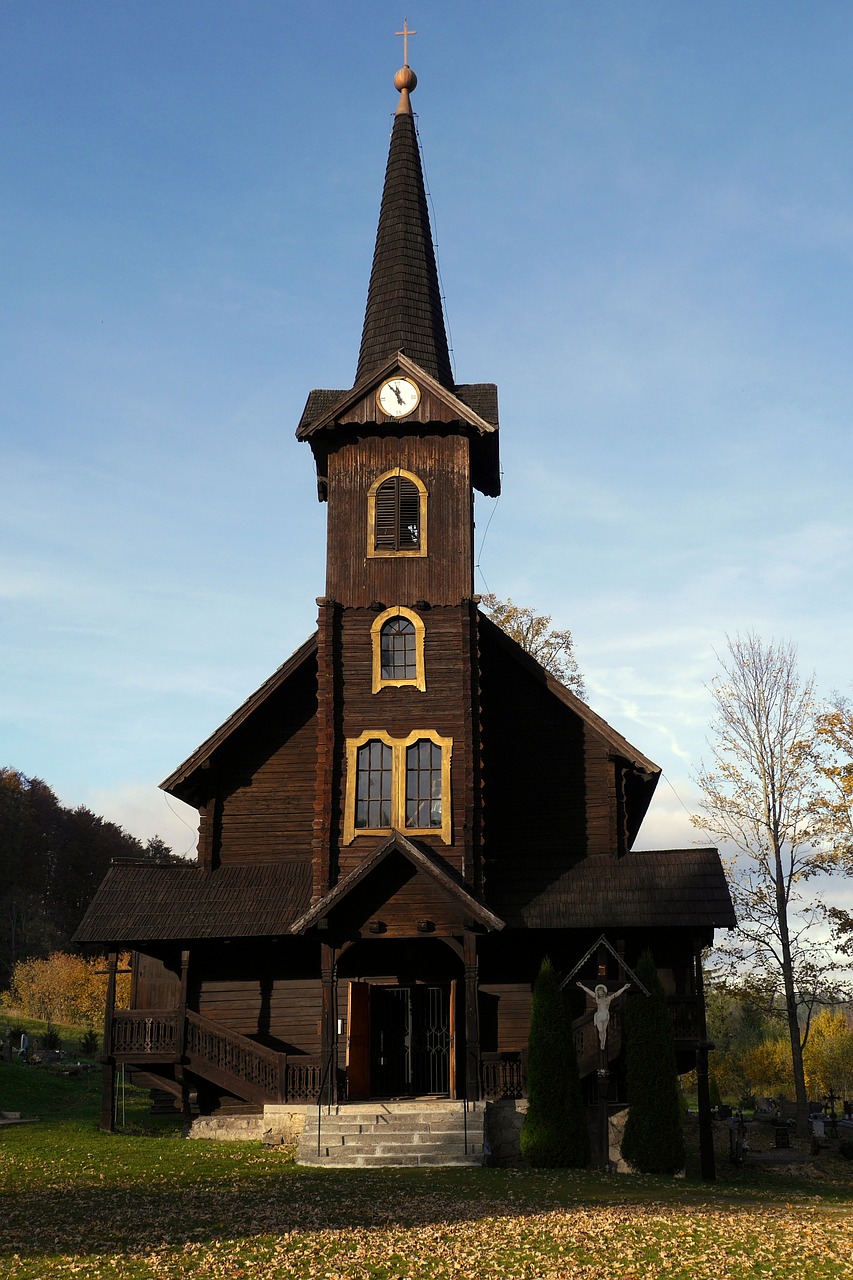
x=685 y=1017
x=147 y=1033
x=303 y=1077
x=503 y=1075
x=211 y=1050
x=238 y=1064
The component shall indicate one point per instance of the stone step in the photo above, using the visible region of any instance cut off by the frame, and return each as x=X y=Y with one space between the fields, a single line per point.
x=336 y=1125
x=357 y=1135
x=358 y=1160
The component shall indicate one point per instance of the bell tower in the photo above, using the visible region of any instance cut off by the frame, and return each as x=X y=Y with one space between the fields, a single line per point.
x=398 y=457
x=398 y=454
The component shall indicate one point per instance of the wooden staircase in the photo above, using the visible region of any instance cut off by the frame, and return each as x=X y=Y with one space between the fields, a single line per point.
x=158 y=1046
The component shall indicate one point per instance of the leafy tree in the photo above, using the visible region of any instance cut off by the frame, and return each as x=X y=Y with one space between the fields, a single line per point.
x=829 y=1055
x=653 y=1141
x=553 y=649
x=555 y=1134
x=767 y=1067
x=65 y=988
x=54 y=858
x=835 y=806
x=762 y=794
x=740 y=1018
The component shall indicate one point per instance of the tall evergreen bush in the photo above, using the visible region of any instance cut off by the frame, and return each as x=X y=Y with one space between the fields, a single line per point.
x=654 y=1140
x=555 y=1132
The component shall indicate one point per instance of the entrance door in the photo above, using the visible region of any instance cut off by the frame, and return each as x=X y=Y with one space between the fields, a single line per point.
x=409 y=1041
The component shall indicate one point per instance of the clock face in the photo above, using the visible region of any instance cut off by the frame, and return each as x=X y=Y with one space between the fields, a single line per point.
x=398 y=397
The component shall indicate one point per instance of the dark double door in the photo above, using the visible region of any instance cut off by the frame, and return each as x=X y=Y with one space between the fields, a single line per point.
x=408 y=1047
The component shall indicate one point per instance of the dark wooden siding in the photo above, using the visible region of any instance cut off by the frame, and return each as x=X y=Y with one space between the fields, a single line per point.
x=505 y=1016
x=445 y=574
x=266 y=780
x=443 y=706
x=284 y=1012
x=155 y=985
x=601 y=802
x=534 y=776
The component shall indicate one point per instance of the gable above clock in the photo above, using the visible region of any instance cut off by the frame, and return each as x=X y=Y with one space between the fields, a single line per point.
x=419 y=403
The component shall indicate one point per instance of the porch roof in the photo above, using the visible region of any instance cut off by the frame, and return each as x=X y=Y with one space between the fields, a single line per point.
x=144 y=902
x=421 y=861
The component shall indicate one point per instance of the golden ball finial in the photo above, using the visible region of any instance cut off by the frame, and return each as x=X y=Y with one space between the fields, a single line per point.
x=406 y=79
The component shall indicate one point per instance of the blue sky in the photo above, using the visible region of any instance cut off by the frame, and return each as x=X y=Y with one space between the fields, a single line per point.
x=644 y=221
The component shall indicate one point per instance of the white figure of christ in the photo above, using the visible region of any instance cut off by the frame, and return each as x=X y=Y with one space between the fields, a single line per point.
x=603 y=1000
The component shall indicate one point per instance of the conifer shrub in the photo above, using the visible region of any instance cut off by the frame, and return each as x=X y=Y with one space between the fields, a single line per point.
x=50 y=1037
x=555 y=1134
x=89 y=1044
x=653 y=1140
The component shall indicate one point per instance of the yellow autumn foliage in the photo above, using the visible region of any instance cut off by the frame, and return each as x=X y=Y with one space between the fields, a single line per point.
x=65 y=988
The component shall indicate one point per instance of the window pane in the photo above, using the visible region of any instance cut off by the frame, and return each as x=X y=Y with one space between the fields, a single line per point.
x=423 y=785
x=373 y=786
x=397 y=648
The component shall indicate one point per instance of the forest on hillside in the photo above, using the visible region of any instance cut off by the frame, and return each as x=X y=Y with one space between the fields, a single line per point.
x=53 y=858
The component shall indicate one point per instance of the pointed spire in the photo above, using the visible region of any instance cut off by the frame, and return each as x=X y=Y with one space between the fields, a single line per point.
x=403 y=299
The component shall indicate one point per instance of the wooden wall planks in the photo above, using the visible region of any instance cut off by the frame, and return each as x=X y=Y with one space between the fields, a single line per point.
x=446 y=574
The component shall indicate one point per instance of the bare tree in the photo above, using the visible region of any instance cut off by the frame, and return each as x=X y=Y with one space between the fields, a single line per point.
x=762 y=795
x=554 y=649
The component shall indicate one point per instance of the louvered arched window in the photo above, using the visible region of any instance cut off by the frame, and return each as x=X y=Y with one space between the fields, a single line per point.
x=396 y=515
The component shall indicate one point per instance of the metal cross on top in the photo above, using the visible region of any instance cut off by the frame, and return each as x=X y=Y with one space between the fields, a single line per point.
x=405 y=33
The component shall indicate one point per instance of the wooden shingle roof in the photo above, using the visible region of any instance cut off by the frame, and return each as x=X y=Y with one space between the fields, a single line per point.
x=143 y=902
x=403 y=310
x=669 y=888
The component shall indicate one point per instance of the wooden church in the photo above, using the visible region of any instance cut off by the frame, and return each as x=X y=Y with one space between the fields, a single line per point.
x=410 y=813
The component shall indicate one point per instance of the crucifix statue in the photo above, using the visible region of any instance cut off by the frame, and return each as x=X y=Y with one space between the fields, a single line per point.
x=603 y=1000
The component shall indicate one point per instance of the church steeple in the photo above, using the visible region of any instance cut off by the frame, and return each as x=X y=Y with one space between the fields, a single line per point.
x=403 y=310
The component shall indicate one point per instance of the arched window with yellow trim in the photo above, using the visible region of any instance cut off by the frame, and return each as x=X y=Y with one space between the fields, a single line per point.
x=397 y=637
x=397 y=515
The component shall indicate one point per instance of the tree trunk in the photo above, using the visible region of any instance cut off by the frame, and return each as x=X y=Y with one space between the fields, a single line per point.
x=791 y=1010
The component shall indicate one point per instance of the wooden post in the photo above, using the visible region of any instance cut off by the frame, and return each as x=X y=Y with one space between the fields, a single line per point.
x=182 y=1033
x=707 y=1163
x=472 y=1018
x=329 y=1025
x=108 y=1077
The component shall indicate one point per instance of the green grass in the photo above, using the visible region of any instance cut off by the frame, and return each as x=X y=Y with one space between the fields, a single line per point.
x=145 y=1204
x=70 y=1034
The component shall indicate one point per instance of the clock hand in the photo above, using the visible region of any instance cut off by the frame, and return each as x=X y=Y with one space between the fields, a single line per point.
x=396 y=391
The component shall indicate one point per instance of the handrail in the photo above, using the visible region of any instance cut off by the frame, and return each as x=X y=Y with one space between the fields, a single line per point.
x=325 y=1076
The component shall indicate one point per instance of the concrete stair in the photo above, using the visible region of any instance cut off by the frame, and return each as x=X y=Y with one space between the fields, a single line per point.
x=376 y=1134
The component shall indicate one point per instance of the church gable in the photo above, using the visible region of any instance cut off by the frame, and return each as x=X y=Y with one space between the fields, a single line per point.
x=253 y=780
x=558 y=783
x=398 y=889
